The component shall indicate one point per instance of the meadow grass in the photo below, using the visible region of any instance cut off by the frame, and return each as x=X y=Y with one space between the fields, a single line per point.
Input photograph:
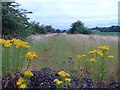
x=54 y=52
x=58 y=52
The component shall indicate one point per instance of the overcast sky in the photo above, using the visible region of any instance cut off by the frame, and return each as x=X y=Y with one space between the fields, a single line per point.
x=61 y=13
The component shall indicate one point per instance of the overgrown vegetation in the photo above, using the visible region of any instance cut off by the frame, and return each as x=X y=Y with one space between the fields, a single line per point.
x=68 y=56
x=62 y=56
x=15 y=22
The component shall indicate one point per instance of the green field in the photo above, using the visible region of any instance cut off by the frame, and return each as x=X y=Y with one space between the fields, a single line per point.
x=107 y=33
x=59 y=52
x=54 y=52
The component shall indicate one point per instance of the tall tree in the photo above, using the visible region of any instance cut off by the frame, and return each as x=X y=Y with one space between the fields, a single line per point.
x=14 y=21
x=78 y=27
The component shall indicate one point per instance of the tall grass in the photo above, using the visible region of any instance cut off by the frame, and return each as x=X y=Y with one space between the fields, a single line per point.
x=59 y=52
x=55 y=51
x=12 y=59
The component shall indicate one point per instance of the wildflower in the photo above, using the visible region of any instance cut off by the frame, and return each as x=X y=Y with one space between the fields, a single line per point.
x=67 y=79
x=63 y=74
x=20 y=44
x=83 y=55
x=92 y=60
x=92 y=52
x=23 y=86
x=20 y=81
x=67 y=75
x=104 y=48
x=31 y=55
x=58 y=82
x=28 y=73
x=99 y=52
x=6 y=43
x=55 y=80
x=110 y=57
x=79 y=57
x=2 y=41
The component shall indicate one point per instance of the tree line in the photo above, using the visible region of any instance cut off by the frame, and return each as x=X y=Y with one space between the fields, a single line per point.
x=16 y=24
x=107 y=29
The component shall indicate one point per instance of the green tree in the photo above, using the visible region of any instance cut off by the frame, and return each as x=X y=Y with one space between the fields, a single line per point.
x=57 y=31
x=50 y=29
x=14 y=21
x=37 y=29
x=78 y=27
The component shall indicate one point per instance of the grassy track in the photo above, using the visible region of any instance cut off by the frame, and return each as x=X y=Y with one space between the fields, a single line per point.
x=54 y=51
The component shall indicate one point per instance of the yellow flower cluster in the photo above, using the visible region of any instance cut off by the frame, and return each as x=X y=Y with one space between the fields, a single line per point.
x=102 y=51
x=6 y=43
x=19 y=43
x=28 y=73
x=63 y=74
x=92 y=52
x=21 y=83
x=23 y=86
x=110 y=57
x=104 y=48
x=92 y=60
x=99 y=52
x=80 y=56
x=68 y=80
x=58 y=82
x=65 y=78
x=31 y=55
x=83 y=55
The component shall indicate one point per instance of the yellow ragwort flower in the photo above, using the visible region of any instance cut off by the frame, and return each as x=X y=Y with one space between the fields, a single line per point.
x=83 y=55
x=6 y=43
x=92 y=51
x=67 y=75
x=2 y=41
x=55 y=80
x=20 y=81
x=104 y=48
x=20 y=44
x=110 y=57
x=92 y=60
x=99 y=52
x=79 y=57
x=31 y=55
x=28 y=73
x=58 y=82
x=68 y=80
x=23 y=86
x=63 y=74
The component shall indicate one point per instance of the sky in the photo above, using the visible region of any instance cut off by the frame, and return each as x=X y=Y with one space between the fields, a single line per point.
x=62 y=13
